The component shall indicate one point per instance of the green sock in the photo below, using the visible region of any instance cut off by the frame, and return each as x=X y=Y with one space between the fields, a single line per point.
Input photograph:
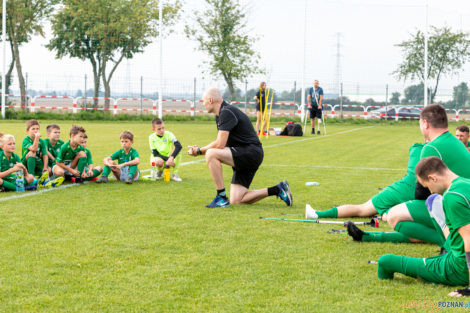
x=385 y=237
x=96 y=173
x=81 y=164
x=9 y=186
x=106 y=171
x=132 y=170
x=419 y=231
x=332 y=213
x=31 y=165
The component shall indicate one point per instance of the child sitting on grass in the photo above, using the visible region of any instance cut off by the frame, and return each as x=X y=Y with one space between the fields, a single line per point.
x=34 y=152
x=93 y=172
x=128 y=159
x=53 y=144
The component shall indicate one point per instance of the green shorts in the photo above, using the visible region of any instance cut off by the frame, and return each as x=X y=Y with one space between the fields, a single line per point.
x=419 y=212
x=39 y=166
x=443 y=269
x=394 y=194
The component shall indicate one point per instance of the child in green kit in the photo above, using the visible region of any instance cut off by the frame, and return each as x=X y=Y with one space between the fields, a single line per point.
x=128 y=159
x=34 y=152
x=92 y=172
x=53 y=144
x=165 y=149
x=71 y=160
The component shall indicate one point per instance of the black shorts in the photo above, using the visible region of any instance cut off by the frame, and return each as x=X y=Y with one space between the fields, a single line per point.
x=258 y=107
x=247 y=159
x=315 y=111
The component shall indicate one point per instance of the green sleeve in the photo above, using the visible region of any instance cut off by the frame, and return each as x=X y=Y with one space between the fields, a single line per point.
x=26 y=143
x=457 y=209
x=429 y=150
x=135 y=154
x=43 y=146
x=61 y=155
x=115 y=155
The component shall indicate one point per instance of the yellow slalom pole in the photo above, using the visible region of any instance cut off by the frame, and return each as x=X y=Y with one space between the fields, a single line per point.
x=268 y=91
x=269 y=116
x=261 y=110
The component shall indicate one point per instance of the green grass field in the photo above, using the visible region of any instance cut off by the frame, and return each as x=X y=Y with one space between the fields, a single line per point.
x=154 y=247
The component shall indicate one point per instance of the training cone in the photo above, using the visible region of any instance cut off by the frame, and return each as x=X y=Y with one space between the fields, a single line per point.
x=310 y=212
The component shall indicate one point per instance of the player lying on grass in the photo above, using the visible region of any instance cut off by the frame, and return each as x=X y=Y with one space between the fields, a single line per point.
x=462 y=134
x=10 y=163
x=165 y=149
x=412 y=218
x=396 y=193
x=71 y=160
x=53 y=144
x=34 y=152
x=238 y=146
x=450 y=268
x=91 y=172
x=127 y=160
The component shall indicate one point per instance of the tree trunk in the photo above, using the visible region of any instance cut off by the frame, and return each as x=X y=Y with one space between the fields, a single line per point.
x=230 y=86
x=96 y=85
x=19 y=72
x=10 y=70
x=107 y=90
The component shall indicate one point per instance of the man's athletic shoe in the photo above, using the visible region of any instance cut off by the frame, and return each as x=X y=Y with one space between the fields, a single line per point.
x=43 y=180
x=284 y=192
x=318 y=132
x=159 y=174
x=310 y=212
x=354 y=231
x=102 y=179
x=219 y=202
x=175 y=177
x=55 y=183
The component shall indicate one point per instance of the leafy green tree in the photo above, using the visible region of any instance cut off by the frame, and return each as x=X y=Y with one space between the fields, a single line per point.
x=447 y=53
x=414 y=94
x=105 y=32
x=395 y=99
x=460 y=95
x=24 y=19
x=220 y=32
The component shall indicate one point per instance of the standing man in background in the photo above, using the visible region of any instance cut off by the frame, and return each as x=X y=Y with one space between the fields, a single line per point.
x=315 y=105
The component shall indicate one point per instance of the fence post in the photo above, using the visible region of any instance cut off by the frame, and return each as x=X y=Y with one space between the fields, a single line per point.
x=341 y=100
x=84 y=93
x=246 y=87
x=154 y=107
x=33 y=103
x=193 y=109
x=74 y=105
x=386 y=95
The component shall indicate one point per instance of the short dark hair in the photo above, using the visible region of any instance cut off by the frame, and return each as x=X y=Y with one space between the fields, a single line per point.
x=85 y=136
x=463 y=129
x=76 y=129
x=157 y=121
x=31 y=123
x=127 y=135
x=428 y=166
x=435 y=115
x=49 y=128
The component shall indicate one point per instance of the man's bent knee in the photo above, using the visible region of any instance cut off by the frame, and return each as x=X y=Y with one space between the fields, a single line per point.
x=398 y=214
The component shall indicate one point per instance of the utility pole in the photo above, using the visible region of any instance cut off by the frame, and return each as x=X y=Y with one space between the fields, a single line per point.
x=338 y=79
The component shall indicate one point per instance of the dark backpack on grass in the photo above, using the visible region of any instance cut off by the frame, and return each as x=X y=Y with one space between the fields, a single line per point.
x=292 y=129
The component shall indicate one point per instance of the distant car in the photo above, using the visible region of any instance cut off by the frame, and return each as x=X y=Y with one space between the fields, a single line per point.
x=404 y=113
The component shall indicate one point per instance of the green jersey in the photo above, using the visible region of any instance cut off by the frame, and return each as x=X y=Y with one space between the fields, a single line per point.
x=89 y=160
x=451 y=151
x=456 y=204
x=7 y=163
x=28 y=142
x=67 y=154
x=163 y=144
x=53 y=150
x=124 y=157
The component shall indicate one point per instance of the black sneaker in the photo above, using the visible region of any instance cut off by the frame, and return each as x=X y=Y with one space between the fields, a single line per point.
x=78 y=180
x=102 y=179
x=318 y=132
x=354 y=231
x=313 y=132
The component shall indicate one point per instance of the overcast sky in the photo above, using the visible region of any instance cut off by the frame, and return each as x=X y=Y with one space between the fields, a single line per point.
x=369 y=31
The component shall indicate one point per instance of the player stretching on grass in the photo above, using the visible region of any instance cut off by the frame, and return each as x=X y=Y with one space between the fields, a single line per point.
x=412 y=218
x=450 y=268
x=237 y=146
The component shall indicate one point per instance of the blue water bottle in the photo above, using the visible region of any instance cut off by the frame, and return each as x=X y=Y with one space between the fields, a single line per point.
x=124 y=173
x=19 y=181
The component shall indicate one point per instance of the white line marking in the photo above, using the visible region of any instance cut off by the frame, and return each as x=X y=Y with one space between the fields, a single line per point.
x=337 y=167
x=30 y=194
x=313 y=138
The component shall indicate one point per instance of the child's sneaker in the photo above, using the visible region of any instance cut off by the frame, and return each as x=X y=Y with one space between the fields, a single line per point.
x=43 y=180
x=175 y=177
x=55 y=183
x=102 y=179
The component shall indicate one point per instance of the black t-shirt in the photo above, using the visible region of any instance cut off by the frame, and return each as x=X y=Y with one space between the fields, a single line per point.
x=261 y=95
x=236 y=122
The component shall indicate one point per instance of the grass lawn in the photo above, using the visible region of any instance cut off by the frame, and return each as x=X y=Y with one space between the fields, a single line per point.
x=154 y=247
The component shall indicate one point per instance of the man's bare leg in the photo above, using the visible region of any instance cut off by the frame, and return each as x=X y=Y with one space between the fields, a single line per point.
x=240 y=194
x=357 y=210
x=214 y=160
